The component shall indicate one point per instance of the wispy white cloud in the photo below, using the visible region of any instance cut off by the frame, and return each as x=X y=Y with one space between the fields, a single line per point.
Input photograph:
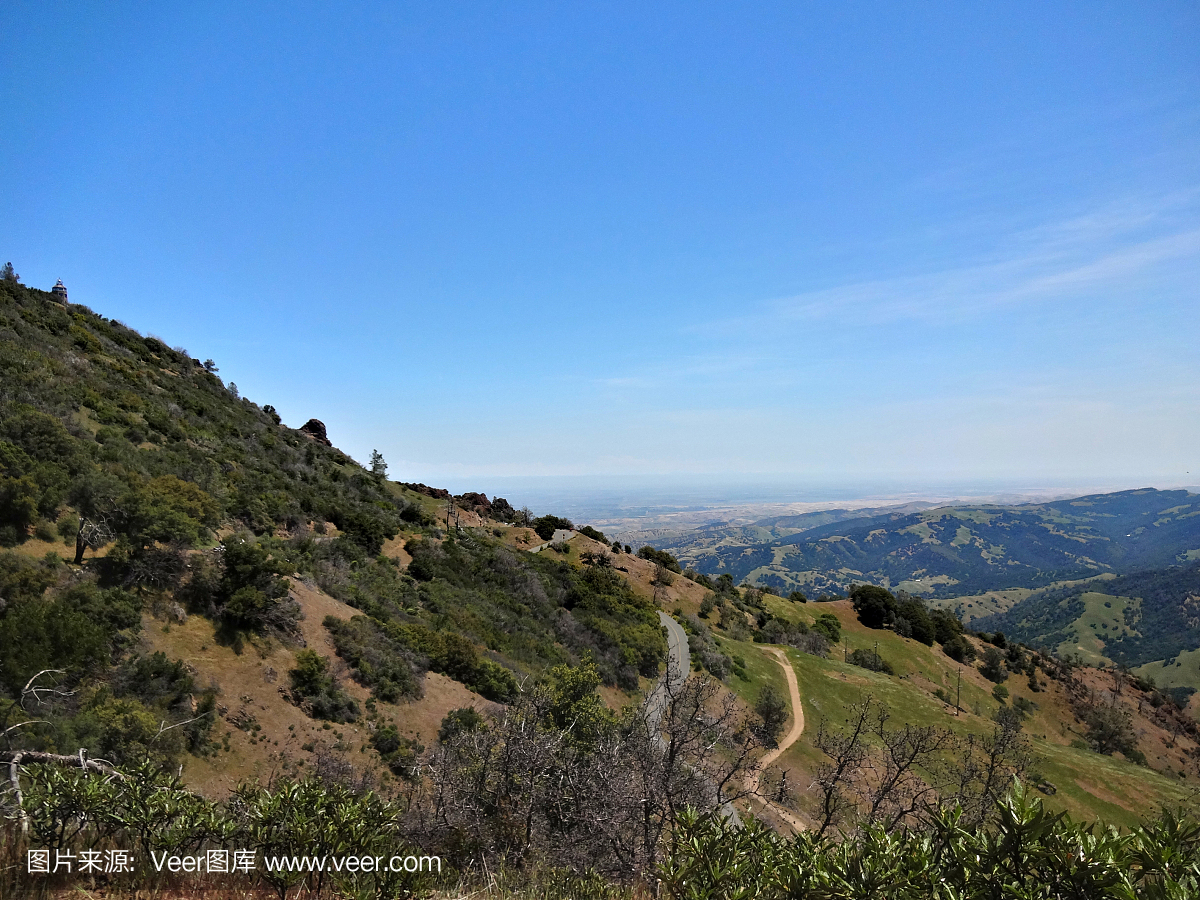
x=1122 y=257
x=1102 y=252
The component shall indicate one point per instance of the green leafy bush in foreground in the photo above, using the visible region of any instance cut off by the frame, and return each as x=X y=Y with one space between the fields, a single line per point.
x=1027 y=853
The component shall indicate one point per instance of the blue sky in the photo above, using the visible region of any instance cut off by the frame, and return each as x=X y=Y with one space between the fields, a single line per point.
x=828 y=242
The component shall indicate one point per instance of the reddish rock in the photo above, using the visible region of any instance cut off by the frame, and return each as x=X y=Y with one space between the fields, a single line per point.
x=438 y=493
x=315 y=430
x=475 y=501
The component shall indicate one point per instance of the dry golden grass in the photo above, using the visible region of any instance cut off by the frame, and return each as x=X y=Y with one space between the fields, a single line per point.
x=254 y=691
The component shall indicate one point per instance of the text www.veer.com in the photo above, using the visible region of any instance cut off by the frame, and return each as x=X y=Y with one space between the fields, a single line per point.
x=353 y=863
x=337 y=864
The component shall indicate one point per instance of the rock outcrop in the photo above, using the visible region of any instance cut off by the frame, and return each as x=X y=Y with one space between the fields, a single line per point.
x=314 y=429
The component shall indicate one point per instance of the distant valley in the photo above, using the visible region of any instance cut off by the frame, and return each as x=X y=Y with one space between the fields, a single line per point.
x=952 y=551
x=1108 y=578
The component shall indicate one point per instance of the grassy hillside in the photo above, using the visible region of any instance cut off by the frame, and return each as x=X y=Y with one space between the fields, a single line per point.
x=1146 y=620
x=1087 y=783
x=963 y=550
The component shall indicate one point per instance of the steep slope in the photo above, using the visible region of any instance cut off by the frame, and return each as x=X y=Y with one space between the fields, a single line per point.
x=199 y=526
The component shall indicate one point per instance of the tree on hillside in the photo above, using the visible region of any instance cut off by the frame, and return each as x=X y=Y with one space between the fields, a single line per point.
x=772 y=709
x=97 y=497
x=911 y=612
x=8 y=274
x=545 y=526
x=876 y=607
x=502 y=510
x=378 y=466
x=946 y=625
x=660 y=557
x=959 y=649
x=992 y=666
x=1110 y=728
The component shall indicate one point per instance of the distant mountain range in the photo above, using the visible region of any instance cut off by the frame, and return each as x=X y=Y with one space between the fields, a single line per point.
x=955 y=550
x=1109 y=578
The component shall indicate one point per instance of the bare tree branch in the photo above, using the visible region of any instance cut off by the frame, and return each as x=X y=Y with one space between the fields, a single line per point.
x=36 y=692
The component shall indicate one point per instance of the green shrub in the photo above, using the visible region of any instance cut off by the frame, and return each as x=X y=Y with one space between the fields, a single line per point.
x=455 y=722
x=315 y=688
x=869 y=659
x=41 y=633
x=660 y=557
x=386 y=666
x=959 y=649
x=250 y=594
x=1026 y=851
x=828 y=626
x=545 y=526
x=401 y=754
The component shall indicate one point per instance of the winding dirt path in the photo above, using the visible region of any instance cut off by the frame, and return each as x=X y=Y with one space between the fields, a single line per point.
x=752 y=778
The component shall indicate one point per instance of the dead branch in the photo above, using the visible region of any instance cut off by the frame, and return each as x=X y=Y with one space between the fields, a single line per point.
x=164 y=727
x=36 y=692
x=76 y=761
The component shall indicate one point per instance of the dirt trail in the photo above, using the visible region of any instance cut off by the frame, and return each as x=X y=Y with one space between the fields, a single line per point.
x=791 y=738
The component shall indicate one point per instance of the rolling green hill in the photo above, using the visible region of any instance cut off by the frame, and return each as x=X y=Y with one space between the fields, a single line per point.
x=1149 y=621
x=695 y=542
x=963 y=550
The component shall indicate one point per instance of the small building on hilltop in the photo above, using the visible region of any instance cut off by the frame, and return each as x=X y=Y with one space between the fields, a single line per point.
x=60 y=292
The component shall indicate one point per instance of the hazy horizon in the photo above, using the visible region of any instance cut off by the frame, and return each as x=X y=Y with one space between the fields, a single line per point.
x=613 y=498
